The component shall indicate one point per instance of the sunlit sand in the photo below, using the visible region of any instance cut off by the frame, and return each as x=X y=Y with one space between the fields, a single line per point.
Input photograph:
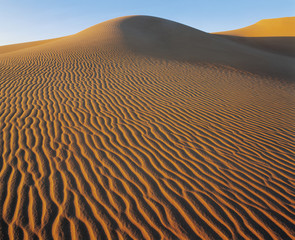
x=144 y=128
x=276 y=27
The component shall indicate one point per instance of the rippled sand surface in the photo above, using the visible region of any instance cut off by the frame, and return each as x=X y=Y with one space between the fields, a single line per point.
x=122 y=132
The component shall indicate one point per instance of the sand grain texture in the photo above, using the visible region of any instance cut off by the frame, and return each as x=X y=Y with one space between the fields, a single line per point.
x=125 y=131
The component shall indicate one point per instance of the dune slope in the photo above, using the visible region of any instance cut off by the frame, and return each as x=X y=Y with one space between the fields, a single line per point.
x=273 y=35
x=169 y=40
x=21 y=46
x=121 y=132
x=278 y=45
x=275 y=27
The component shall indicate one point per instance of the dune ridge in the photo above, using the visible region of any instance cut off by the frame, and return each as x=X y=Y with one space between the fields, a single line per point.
x=275 y=27
x=101 y=138
x=272 y=35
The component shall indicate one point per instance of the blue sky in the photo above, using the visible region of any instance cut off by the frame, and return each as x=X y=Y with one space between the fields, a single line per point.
x=29 y=20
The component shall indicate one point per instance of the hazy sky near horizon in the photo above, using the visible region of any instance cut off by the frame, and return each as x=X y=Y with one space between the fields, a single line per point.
x=30 y=20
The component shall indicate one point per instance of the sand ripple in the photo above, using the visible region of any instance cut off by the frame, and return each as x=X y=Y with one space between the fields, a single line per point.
x=96 y=144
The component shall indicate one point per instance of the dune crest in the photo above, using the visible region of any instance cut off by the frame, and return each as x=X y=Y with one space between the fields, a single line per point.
x=272 y=35
x=275 y=27
x=105 y=135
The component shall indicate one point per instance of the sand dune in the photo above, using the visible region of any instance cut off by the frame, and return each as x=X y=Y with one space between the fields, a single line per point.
x=273 y=35
x=21 y=46
x=143 y=128
x=275 y=27
x=278 y=45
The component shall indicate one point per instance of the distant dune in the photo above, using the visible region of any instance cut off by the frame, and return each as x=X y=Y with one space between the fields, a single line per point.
x=275 y=27
x=144 y=128
x=273 y=35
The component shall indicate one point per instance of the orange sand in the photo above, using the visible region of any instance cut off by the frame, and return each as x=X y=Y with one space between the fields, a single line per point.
x=143 y=128
x=276 y=27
